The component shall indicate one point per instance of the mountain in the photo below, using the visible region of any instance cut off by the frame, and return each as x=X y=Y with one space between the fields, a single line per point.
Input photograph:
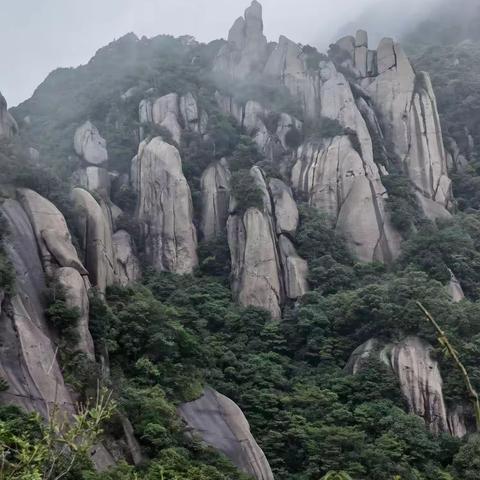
x=232 y=238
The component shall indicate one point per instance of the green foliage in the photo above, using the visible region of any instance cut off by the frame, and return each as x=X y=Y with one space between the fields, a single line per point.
x=32 y=450
x=405 y=213
x=448 y=245
x=323 y=128
x=313 y=57
x=245 y=191
x=294 y=138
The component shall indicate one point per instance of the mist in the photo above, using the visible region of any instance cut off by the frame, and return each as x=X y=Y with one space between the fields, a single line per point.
x=37 y=37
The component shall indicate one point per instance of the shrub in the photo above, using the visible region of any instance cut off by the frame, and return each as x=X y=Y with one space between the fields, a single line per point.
x=245 y=191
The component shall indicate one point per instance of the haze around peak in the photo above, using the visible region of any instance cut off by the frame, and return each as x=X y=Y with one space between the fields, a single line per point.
x=64 y=33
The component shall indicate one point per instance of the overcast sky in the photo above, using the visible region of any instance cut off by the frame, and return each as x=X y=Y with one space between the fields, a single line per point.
x=37 y=36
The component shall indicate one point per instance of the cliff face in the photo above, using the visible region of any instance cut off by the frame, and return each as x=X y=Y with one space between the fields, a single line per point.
x=383 y=120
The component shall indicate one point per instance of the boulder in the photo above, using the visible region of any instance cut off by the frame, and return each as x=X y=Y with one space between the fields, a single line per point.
x=95 y=232
x=454 y=289
x=215 y=188
x=8 y=125
x=127 y=267
x=164 y=208
x=220 y=423
x=76 y=296
x=246 y=50
x=335 y=179
x=28 y=360
x=286 y=210
x=256 y=270
x=417 y=372
x=51 y=232
x=295 y=269
x=361 y=52
x=94 y=179
x=287 y=63
x=89 y=145
x=191 y=116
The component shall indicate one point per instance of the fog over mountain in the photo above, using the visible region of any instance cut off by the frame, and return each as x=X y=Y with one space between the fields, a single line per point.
x=58 y=33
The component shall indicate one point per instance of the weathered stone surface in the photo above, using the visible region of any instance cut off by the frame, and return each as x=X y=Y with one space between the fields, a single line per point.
x=76 y=296
x=334 y=178
x=215 y=187
x=51 y=231
x=127 y=267
x=220 y=423
x=8 y=125
x=286 y=210
x=457 y=420
x=418 y=374
x=246 y=50
x=454 y=289
x=287 y=63
x=164 y=208
x=89 y=144
x=192 y=118
x=95 y=231
x=256 y=273
x=295 y=269
x=409 y=117
x=27 y=357
x=361 y=52
x=95 y=179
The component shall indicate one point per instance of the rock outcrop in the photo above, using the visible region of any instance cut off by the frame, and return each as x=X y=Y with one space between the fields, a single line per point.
x=454 y=289
x=256 y=270
x=95 y=232
x=127 y=265
x=164 y=208
x=287 y=62
x=265 y=266
x=418 y=375
x=94 y=179
x=246 y=50
x=8 y=125
x=407 y=111
x=215 y=188
x=334 y=177
x=89 y=144
x=28 y=356
x=51 y=232
x=220 y=423
x=174 y=113
x=76 y=288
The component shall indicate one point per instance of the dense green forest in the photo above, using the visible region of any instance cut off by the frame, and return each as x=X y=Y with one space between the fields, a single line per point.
x=169 y=336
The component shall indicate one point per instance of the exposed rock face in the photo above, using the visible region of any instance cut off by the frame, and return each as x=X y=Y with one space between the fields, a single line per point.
x=220 y=423
x=287 y=62
x=173 y=113
x=286 y=211
x=76 y=296
x=335 y=178
x=256 y=271
x=454 y=289
x=94 y=179
x=51 y=231
x=408 y=114
x=164 y=207
x=254 y=117
x=89 y=144
x=27 y=357
x=418 y=374
x=295 y=269
x=215 y=187
x=265 y=266
x=8 y=125
x=246 y=50
x=128 y=267
x=95 y=231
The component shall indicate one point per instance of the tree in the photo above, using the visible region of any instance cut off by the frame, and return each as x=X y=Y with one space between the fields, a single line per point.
x=51 y=451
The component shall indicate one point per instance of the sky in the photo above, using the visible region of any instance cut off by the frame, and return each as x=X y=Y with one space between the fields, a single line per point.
x=37 y=36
